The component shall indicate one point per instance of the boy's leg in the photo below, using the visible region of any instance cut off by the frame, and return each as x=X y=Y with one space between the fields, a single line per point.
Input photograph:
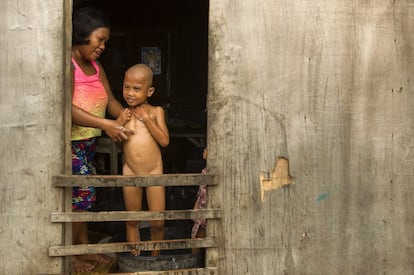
x=133 y=202
x=156 y=202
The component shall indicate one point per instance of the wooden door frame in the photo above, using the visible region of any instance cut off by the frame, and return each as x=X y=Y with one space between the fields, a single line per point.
x=67 y=109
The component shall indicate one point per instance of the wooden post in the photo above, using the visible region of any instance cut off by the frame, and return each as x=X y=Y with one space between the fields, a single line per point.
x=68 y=81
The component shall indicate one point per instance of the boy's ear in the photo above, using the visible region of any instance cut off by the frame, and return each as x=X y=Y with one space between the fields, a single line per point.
x=151 y=91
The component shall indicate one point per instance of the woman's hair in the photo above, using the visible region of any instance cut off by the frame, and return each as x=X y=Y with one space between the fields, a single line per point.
x=84 y=22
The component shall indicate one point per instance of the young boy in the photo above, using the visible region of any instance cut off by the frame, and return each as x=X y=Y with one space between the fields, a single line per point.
x=142 y=150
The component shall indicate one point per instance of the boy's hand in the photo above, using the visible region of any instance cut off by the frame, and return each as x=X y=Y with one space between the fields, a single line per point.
x=142 y=112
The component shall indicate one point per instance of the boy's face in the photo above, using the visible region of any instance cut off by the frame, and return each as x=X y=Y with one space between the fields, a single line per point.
x=136 y=88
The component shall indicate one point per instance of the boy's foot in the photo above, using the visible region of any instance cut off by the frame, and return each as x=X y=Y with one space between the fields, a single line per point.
x=100 y=258
x=155 y=253
x=79 y=265
x=135 y=252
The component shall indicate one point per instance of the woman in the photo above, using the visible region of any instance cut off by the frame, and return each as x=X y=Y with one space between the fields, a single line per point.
x=91 y=98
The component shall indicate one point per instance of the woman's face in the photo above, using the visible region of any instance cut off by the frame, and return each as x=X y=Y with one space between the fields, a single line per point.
x=97 y=40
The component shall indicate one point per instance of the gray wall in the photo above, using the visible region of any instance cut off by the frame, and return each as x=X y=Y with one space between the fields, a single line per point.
x=327 y=84
x=31 y=133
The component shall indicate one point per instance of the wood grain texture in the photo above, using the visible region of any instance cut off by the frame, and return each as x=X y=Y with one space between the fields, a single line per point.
x=136 y=215
x=127 y=247
x=139 y=181
x=327 y=85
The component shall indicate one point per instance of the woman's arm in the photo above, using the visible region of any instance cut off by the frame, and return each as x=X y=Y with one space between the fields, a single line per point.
x=111 y=127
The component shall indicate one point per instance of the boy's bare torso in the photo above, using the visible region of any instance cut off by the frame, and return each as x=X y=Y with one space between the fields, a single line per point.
x=141 y=151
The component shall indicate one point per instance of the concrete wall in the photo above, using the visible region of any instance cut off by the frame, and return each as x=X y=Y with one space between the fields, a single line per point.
x=327 y=84
x=31 y=133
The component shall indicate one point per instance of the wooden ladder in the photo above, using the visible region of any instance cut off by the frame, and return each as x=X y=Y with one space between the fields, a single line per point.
x=213 y=215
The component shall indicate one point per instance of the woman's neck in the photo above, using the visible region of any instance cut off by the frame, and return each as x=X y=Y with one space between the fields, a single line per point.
x=85 y=65
x=79 y=59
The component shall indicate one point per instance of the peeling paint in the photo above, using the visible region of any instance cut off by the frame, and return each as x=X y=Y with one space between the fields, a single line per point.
x=280 y=177
x=322 y=197
x=21 y=28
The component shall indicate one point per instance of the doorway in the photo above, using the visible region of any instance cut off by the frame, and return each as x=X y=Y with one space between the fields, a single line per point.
x=172 y=37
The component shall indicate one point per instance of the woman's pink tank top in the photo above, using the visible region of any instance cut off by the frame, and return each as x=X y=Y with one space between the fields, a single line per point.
x=89 y=94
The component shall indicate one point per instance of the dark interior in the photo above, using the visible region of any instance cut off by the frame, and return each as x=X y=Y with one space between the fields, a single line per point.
x=175 y=31
x=172 y=37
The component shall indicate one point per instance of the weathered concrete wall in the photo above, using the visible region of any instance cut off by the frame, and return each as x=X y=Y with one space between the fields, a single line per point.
x=327 y=84
x=31 y=133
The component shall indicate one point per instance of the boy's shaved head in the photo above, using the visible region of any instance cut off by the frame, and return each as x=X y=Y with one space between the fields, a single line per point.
x=141 y=68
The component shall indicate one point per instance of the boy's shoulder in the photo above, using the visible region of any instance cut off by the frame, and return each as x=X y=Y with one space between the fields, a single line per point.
x=156 y=107
x=150 y=106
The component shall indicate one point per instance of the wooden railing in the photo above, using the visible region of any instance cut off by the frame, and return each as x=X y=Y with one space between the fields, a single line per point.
x=210 y=242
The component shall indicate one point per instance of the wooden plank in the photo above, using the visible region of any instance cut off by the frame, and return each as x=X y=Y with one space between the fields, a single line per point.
x=105 y=216
x=139 y=181
x=126 y=247
x=188 y=271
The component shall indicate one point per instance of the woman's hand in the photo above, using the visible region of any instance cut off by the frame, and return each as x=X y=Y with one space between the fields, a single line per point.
x=124 y=117
x=116 y=131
